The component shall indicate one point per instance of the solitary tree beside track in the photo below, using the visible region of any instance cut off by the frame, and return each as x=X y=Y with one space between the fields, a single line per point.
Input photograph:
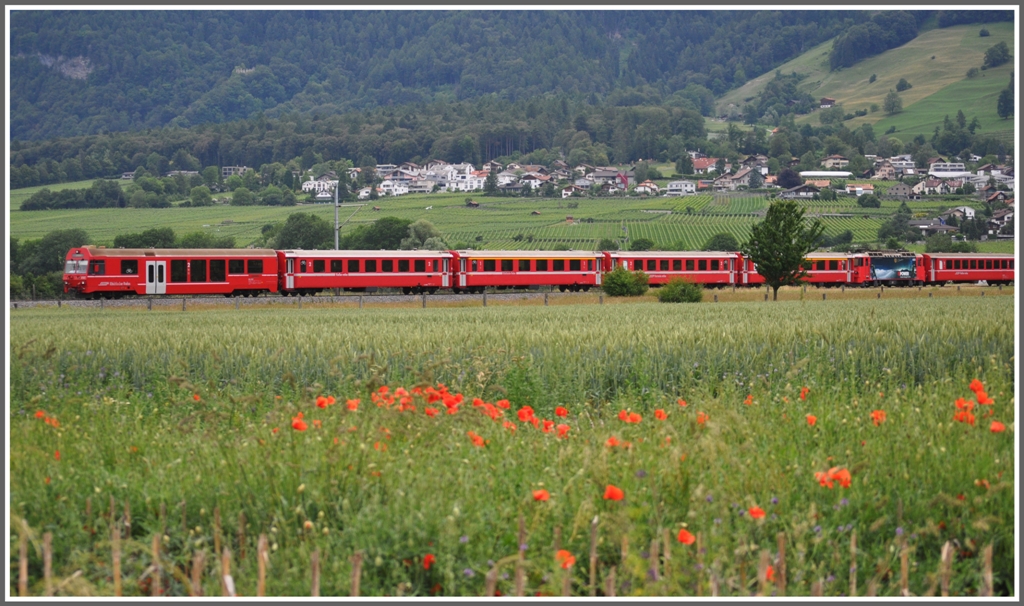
x=779 y=244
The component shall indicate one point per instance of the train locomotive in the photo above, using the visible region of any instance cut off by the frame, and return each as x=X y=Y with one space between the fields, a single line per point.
x=96 y=271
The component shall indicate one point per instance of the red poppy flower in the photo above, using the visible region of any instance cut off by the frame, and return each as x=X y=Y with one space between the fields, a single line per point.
x=841 y=475
x=878 y=417
x=624 y=416
x=561 y=412
x=612 y=442
x=803 y=392
x=428 y=561
x=430 y=411
x=686 y=537
x=321 y=402
x=477 y=440
x=525 y=413
x=660 y=415
x=562 y=429
x=565 y=559
x=541 y=495
x=976 y=386
x=634 y=417
x=40 y=414
x=769 y=574
x=274 y=430
x=298 y=423
x=503 y=404
x=535 y=422
x=317 y=424
x=352 y=404
x=613 y=493
x=983 y=399
x=47 y=480
x=749 y=400
x=509 y=425
x=681 y=402
x=997 y=427
x=330 y=400
x=195 y=397
x=56 y=455
x=547 y=426
x=383 y=389
x=702 y=418
x=756 y=512
x=478 y=402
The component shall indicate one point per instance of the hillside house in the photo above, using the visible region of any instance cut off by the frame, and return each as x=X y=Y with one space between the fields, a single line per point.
x=394 y=188
x=931 y=227
x=999 y=195
x=827 y=102
x=931 y=187
x=960 y=212
x=228 y=171
x=703 y=166
x=901 y=191
x=946 y=167
x=571 y=190
x=819 y=183
x=885 y=171
x=1000 y=218
x=128 y=176
x=802 y=192
x=835 y=162
x=681 y=188
x=647 y=187
x=731 y=182
x=859 y=189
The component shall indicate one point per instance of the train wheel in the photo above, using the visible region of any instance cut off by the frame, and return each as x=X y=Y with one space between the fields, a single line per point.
x=561 y=288
x=586 y=288
x=432 y=290
x=406 y=290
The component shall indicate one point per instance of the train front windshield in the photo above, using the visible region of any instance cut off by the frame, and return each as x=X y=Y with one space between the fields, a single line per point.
x=76 y=267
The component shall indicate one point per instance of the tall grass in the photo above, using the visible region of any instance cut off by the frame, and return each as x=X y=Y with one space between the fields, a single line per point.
x=122 y=387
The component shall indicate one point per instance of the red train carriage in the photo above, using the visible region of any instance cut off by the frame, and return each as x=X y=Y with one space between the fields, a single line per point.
x=307 y=272
x=836 y=269
x=568 y=270
x=940 y=268
x=95 y=271
x=711 y=268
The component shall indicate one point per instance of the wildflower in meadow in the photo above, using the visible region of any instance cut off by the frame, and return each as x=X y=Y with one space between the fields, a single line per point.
x=331 y=400
x=612 y=442
x=702 y=418
x=561 y=411
x=56 y=455
x=525 y=414
x=547 y=426
x=964 y=410
x=624 y=415
x=686 y=537
x=298 y=423
x=541 y=495
x=478 y=402
x=769 y=574
x=195 y=397
x=803 y=392
x=321 y=402
x=811 y=420
x=878 y=417
x=509 y=425
x=749 y=400
x=383 y=389
x=613 y=493
x=835 y=474
x=352 y=405
x=756 y=512
x=503 y=404
x=660 y=415
x=430 y=412
x=634 y=417
x=997 y=427
x=477 y=440
x=565 y=559
x=317 y=424
x=563 y=430
x=40 y=414
x=681 y=402
x=428 y=561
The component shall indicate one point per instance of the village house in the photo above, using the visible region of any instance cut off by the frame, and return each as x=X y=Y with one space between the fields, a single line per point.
x=901 y=191
x=827 y=102
x=960 y=212
x=319 y=185
x=999 y=219
x=931 y=187
x=493 y=166
x=128 y=176
x=859 y=189
x=835 y=162
x=572 y=189
x=730 y=182
x=885 y=171
x=819 y=183
x=703 y=166
x=647 y=187
x=931 y=227
x=394 y=188
x=228 y=171
x=799 y=192
x=681 y=188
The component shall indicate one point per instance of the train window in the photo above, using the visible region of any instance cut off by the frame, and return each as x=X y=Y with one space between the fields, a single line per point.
x=370 y=265
x=179 y=270
x=542 y=264
x=435 y=264
x=217 y=270
x=714 y=265
x=403 y=265
x=236 y=266
x=833 y=265
x=198 y=270
x=419 y=266
x=1011 y=264
x=524 y=265
x=97 y=268
x=820 y=265
x=689 y=265
x=255 y=266
x=574 y=265
x=974 y=264
x=988 y=264
x=474 y=264
x=353 y=265
x=1002 y=264
x=506 y=265
x=558 y=265
x=302 y=266
x=318 y=266
x=638 y=265
x=387 y=265
x=702 y=265
x=590 y=265
x=489 y=265
x=652 y=265
x=130 y=267
x=677 y=264
x=663 y=265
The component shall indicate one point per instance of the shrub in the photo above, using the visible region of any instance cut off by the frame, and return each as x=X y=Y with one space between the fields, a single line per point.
x=983 y=33
x=681 y=290
x=903 y=85
x=872 y=79
x=621 y=282
x=973 y=72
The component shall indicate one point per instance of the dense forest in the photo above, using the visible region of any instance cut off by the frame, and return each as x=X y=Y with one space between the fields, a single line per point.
x=89 y=72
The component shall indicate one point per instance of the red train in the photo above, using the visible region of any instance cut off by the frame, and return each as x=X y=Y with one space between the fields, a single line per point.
x=93 y=272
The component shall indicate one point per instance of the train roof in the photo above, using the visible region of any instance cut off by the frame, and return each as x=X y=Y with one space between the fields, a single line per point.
x=971 y=255
x=530 y=254
x=334 y=254
x=102 y=251
x=629 y=254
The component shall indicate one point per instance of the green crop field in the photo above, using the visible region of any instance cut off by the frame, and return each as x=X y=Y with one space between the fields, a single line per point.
x=935 y=63
x=182 y=423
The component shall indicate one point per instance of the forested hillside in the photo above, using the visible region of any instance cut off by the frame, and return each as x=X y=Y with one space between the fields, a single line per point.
x=89 y=72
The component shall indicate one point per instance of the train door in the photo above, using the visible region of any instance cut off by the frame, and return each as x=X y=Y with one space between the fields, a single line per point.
x=848 y=266
x=462 y=272
x=289 y=274
x=597 y=274
x=444 y=274
x=156 y=277
x=732 y=271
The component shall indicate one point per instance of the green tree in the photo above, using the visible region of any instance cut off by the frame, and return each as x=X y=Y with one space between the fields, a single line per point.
x=869 y=201
x=242 y=196
x=620 y=282
x=903 y=85
x=892 y=104
x=723 y=242
x=158 y=237
x=681 y=290
x=233 y=182
x=423 y=235
x=48 y=253
x=211 y=176
x=996 y=55
x=491 y=183
x=1004 y=106
x=779 y=244
x=684 y=165
x=641 y=244
x=272 y=196
x=607 y=244
x=305 y=231
x=200 y=196
x=386 y=233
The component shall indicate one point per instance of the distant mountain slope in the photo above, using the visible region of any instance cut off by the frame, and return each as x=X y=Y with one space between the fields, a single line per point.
x=935 y=63
x=78 y=72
